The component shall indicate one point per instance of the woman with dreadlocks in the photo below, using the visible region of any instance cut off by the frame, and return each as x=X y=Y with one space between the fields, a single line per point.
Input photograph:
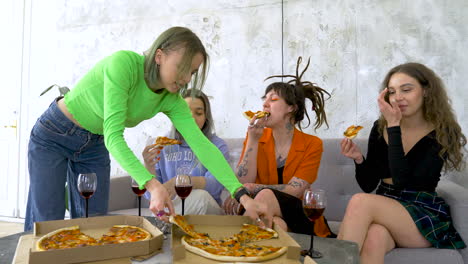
x=279 y=161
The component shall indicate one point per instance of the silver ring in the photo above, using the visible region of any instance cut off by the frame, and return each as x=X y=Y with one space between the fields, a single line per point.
x=258 y=220
x=251 y=125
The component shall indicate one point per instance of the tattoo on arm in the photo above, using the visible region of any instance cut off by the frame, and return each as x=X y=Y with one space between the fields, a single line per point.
x=242 y=170
x=296 y=182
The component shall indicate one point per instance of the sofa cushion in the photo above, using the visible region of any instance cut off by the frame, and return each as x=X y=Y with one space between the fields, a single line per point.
x=423 y=255
x=336 y=177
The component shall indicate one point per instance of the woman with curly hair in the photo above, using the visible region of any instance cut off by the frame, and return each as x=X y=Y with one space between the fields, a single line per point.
x=279 y=162
x=415 y=137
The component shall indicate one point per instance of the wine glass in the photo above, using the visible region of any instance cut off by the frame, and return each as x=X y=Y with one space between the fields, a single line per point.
x=87 y=183
x=183 y=187
x=313 y=203
x=136 y=189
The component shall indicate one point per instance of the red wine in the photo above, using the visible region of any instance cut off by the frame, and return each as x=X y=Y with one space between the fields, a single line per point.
x=183 y=191
x=313 y=213
x=137 y=190
x=87 y=194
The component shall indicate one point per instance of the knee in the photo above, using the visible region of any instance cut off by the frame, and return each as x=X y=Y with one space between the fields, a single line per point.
x=278 y=221
x=358 y=203
x=265 y=195
x=377 y=239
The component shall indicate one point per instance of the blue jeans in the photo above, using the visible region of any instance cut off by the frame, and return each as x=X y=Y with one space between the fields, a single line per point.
x=58 y=151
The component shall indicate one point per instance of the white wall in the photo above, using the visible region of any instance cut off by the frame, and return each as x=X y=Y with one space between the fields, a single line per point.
x=352 y=44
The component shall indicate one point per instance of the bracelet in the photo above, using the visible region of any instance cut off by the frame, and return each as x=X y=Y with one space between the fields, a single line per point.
x=240 y=192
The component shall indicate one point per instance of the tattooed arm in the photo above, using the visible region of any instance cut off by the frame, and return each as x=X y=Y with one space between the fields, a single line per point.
x=247 y=169
x=295 y=187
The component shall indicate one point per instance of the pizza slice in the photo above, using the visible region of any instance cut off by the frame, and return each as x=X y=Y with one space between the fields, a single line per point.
x=181 y=222
x=123 y=234
x=259 y=114
x=352 y=131
x=165 y=141
x=67 y=237
x=252 y=233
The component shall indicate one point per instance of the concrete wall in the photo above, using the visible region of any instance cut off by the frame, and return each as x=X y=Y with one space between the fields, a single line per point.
x=352 y=44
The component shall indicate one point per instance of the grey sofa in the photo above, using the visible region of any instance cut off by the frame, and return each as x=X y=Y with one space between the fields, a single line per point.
x=336 y=176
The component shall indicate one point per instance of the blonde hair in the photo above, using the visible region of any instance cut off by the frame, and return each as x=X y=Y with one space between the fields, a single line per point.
x=173 y=39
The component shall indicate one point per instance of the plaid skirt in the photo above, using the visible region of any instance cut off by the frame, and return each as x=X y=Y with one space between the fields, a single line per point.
x=430 y=213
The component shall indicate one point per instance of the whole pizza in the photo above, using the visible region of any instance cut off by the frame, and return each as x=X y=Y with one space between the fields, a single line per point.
x=234 y=248
x=72 y=237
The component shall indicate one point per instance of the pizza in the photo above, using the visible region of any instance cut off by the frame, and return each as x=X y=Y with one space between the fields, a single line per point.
x=234 y=248
x=181 y=222
x=165 y=141
x=72 y=237
x=259 y=114
x=253 y=233
x=67 y=237
x=352 y=131
x=231 y=250
x=124 y=233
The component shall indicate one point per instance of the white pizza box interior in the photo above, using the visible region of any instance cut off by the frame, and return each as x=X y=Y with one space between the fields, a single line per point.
x=95 y=227
x=219 y=226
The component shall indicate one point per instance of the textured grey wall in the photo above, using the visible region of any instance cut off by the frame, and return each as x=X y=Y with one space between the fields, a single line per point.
x=352 y=44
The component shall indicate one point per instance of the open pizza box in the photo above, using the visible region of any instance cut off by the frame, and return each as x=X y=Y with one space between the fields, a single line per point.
x=219 y=226
x=95 y=227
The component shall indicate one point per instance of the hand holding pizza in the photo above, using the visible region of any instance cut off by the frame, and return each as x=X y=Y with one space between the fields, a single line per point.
x=159 y=199
x=151 y=157
x=255 y=128
x=351 y=150
x=391 y=111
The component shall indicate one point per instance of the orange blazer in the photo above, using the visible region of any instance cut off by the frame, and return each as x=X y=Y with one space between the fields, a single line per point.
x=303 y=162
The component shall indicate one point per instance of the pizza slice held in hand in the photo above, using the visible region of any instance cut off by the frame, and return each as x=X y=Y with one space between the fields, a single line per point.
x=165 y=141
x=352 y=131
x=259 y=114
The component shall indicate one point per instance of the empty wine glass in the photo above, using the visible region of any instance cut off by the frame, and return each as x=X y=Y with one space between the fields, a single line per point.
x=87 y=183
x=313 y=203
x=183 y=187
x=136 y=189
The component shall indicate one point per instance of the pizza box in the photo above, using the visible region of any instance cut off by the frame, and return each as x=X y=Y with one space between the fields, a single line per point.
x=218 y=226
x=95 y=227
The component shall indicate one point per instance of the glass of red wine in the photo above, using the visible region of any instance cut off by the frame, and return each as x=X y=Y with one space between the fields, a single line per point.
x=313 y=203
x=183 y=187
x=136 y=189
x=87 y=183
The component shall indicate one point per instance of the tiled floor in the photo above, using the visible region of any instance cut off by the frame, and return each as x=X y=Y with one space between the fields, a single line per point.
x=9 y=228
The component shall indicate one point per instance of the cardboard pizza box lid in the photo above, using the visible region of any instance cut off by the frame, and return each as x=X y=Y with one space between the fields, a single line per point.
x=218 y=226
x=94 y=226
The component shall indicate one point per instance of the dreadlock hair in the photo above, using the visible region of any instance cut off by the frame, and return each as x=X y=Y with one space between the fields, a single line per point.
x=294 y=93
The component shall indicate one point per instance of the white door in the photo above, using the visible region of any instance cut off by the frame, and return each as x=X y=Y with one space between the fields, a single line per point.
x=11 y=27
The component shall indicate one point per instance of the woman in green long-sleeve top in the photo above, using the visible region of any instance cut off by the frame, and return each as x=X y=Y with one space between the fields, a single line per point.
x=77 y=132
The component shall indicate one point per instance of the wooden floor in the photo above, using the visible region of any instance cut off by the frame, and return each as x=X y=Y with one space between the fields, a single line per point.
x=9 y=228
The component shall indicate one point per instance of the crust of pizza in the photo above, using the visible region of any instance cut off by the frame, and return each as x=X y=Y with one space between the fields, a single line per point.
x=352 y=131
x=39 y=246
x=259 y=114
x=209 y=255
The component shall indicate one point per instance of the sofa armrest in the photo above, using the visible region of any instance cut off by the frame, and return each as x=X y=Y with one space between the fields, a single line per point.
x=456 y=197
x=121 y=195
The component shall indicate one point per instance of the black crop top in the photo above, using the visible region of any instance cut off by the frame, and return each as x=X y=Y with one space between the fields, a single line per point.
x=418 y=170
